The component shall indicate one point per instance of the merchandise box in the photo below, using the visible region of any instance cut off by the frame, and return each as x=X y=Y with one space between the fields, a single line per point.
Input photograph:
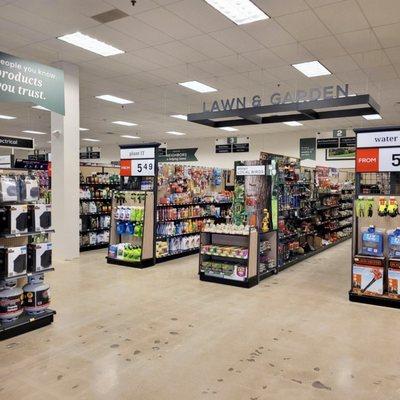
x=39 y=256
x=39 y=217
x=394 y=278
x=232 y=272
x=368 y=275
x=13 y=261
x=14 y=219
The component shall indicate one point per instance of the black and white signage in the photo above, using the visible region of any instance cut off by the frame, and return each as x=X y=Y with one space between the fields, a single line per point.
x=138 y=153
x=20 y=143
x=348 y=141
x=250 y=170
x=339 y=133
x=143 y=167
x=232 y=145
x=378 y=139
x=331 y=143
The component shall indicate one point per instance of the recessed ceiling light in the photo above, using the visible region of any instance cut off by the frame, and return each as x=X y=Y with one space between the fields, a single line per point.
x=239 y=11
x=35 y=132
x=91 y=140
x=83 y=129
x=198 y=86
x=176 y=133
x=312 y=69
x=40 y=108
x=179 y=116
x=229 y=129
x=371 y=117
x=130 y=137
x=7 y=117
x=114 y=99
x=293 y=123
x=88 y=43
x=124 y=123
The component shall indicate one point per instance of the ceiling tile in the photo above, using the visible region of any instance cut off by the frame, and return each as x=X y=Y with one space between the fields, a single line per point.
x=238 y=63
x=168 y=23
x=303 y=25
x=264 y=58
x=394 y=54
x=340 y=64
x=381 y=13
x=320 y=3
x=382 y=73
x=136 y=62
x=237 y=40
x=324 y=47
x=126 y=6
x=214 y=68
x=358 y=41
x=155 y=56
x=269 y=33
x=200 y=15
x=342 y=17
x=275 y=8
x=293 y=53
x=208 y=46
x=388 y=35
x=139 y=30
x=181 y=52
x=371 y=59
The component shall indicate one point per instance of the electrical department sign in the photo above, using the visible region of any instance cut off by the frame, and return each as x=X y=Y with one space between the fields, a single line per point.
x=16 y=142
x=28 y=81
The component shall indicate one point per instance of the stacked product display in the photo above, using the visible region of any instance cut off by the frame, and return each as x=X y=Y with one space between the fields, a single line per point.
x=376 y=238
x=188 y=198
x=25 y=253
x=95 y=205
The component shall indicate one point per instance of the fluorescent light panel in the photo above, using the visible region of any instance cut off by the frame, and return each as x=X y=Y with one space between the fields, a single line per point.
x=83 y=129
x=372 y=117
x=293 y=123
x=198 y=87
x=239 y=11
x=40 y=108
x=114 y=99
x=35 y=132
x=179 y=116
x=91 y=140
x=312 y=69
x=229 y=129
x=88 y=43
x=7 y=117
x=124 y=123
x=176 y=133
x=130 y=137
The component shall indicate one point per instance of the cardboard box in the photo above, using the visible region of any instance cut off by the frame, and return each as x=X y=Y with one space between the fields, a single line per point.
x=394 y=278
x=13 y=261
x=39 y=256
x=14 y=219
x=39 y=217
x=368 y=275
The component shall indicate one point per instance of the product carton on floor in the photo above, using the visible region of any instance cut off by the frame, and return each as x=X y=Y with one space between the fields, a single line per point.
x=368 y=275
x=394 y=278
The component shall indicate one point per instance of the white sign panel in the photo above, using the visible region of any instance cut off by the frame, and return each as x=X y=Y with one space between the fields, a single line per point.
x=378 y=139
x=138 y=153
x=143 y=167
x=389 y=159
x=250 y=170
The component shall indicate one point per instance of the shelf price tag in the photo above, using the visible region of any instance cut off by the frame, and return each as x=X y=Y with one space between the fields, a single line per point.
x=143 y=167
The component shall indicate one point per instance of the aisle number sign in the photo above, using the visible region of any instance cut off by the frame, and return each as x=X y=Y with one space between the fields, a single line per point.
x=378 y=152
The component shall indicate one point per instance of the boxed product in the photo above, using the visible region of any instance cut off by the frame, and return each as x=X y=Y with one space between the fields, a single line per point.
x=14 y=219
x=394 y=278
x=39 y=256
x=13 y=261
x=372 y=240
x=39 y=217
x=368 y=273
x=8 y=189
x=28 y=189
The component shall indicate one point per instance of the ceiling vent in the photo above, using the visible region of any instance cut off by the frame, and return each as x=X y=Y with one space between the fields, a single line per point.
x=110 y=133
x=109 y=16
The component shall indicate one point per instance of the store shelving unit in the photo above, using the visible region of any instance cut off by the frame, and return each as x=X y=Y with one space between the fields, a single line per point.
x=25 y=322
x=98 y=180
x=375 y=269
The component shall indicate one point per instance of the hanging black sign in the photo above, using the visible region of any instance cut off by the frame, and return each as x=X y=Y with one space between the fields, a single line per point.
x=89 y=155
x=21 y=143
x=241 y=147
x=307 y=149
x=223 y=148
x=332 y=143
x=348 y=142
x=32 y=164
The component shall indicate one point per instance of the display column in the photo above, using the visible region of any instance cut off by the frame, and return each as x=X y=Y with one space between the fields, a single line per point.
x=65 y=168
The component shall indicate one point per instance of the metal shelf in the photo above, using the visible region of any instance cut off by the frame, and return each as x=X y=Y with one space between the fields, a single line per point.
x=94 y=230
x=94 y=247
x=213 y=203
x=15 y=235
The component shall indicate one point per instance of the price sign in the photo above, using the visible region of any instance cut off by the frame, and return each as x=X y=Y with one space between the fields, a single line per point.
x=143 y=167
x=389 y=159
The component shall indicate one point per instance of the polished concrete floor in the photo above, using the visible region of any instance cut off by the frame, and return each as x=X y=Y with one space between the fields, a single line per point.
x=161 y=334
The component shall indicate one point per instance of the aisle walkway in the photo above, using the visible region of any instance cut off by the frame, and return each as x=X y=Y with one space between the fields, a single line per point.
x=160 y=334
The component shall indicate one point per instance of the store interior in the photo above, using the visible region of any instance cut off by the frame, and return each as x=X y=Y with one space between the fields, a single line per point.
x=199 y=199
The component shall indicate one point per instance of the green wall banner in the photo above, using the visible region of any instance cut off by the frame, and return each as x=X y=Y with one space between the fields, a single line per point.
x=28 y=81
x=179 y=155
x=307 y=149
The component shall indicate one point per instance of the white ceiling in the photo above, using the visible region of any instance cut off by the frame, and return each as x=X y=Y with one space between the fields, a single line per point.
x=170 y=41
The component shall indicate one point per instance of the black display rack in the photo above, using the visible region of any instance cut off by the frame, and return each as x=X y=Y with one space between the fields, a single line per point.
x=377 y=175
